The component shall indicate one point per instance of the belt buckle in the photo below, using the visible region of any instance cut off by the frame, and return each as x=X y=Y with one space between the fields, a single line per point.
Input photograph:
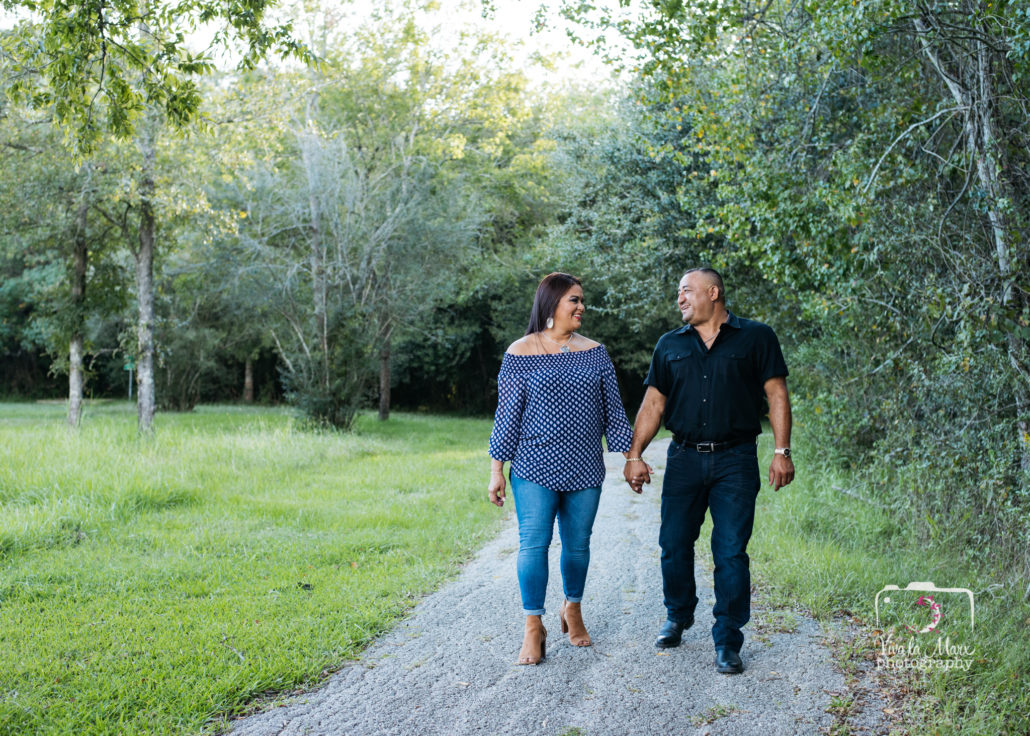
x=706 y=447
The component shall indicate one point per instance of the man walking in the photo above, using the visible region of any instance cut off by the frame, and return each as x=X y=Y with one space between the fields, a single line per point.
x=707 y=380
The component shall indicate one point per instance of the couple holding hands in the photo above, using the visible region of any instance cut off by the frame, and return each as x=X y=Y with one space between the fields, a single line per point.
x=557 y=394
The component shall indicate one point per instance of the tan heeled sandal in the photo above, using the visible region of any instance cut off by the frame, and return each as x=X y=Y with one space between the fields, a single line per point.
x=572 y=624
x=534 y=642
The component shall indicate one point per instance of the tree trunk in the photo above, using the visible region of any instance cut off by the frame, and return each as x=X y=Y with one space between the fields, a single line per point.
x=973 y=87
x=80 y=259
x=384 y=379
x=145 y=388
x=320 y=290
x=248 y=381
x=309 y=149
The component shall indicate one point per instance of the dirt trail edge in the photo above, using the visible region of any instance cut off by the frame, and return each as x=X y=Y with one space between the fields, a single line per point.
x=449 y=669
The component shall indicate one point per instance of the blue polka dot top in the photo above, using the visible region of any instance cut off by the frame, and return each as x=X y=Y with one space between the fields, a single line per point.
x=551 y=412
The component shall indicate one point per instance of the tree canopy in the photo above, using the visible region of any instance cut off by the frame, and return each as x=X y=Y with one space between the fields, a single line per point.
x=95 y=66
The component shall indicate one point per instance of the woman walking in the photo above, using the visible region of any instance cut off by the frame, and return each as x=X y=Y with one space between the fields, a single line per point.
x=556 y=395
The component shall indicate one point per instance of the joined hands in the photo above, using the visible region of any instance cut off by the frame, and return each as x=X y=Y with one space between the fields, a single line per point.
x=637 y=473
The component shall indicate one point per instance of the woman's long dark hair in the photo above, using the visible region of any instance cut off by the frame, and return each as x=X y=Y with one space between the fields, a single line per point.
x=552 y=288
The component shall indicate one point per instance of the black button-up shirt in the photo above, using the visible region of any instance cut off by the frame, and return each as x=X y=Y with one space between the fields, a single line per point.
x=715 y=394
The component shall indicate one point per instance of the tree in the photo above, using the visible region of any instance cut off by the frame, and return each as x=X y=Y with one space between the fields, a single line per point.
x=98 y=65
x=623 y=228
x=50 y=220
x=372 y=206
x=130 y=62
x=360 y=235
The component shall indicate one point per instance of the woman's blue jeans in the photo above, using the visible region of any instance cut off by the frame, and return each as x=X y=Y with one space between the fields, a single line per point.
x=536 y=508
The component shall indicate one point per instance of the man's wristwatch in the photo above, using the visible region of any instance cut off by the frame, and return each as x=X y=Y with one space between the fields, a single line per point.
x=785 y=451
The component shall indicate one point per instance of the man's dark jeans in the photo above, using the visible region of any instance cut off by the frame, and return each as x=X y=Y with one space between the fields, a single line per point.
x=726 y=482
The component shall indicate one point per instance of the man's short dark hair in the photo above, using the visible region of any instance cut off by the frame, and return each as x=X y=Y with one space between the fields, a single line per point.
x=715 y=277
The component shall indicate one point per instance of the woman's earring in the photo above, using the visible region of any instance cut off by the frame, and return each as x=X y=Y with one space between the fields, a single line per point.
x=550 y=322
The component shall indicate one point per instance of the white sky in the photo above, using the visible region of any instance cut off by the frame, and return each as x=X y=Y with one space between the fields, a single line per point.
x=512 y=19
x=515 y=20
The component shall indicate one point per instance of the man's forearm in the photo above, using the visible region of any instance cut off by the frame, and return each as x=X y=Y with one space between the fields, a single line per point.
x=779 y=413
x=649 y=419
x=781 y=421
x=781 y=469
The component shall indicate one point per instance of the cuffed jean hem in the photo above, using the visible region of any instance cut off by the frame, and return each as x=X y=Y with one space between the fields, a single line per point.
x=536 y=612
x=571 y=599
x=536 y=508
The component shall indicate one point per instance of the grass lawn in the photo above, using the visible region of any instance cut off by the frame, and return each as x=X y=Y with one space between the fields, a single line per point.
x=160 y=585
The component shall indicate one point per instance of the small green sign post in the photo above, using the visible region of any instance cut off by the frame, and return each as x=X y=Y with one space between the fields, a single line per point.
x=130 y=366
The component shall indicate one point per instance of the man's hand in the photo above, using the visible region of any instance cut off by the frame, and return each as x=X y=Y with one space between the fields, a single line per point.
x=637 y=473
x=781 y=471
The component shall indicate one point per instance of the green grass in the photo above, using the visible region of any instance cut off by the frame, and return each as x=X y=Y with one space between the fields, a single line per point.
x=830 y=552
x=161 y=585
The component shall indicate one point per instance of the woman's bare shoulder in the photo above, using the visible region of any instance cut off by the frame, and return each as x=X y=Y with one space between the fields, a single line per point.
x=585 y=343
x=523 y=346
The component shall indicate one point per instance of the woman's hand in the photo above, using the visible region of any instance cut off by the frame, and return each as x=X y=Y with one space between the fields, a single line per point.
x=496 y=488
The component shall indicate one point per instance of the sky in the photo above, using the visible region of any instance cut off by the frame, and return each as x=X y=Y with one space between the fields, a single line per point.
x=515 y=20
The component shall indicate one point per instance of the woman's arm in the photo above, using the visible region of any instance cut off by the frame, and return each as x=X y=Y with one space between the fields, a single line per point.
x=504 y=439
x=617 y=432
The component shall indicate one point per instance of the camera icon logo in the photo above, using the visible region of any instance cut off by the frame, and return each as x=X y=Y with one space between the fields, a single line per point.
x=930 y=597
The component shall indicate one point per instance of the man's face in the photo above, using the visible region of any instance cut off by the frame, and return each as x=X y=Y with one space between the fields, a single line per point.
x=695 y=298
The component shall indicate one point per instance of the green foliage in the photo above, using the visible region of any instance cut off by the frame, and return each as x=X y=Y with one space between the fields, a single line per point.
x=844 y=173
x=624 y=230
x=97 y=65
x=451 y=362
x=161 y=586
x=428 y=168
x=329 y=388
x=823 y=544
x=209 y=321
x=41 y=197
x=393 y=174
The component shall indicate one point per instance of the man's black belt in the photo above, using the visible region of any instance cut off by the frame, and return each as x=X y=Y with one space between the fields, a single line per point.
x=708 y=446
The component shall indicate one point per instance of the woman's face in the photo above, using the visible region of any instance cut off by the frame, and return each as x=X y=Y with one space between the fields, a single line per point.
x=568 y=315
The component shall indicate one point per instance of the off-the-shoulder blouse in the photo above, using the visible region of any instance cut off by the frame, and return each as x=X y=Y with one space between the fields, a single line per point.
x=551 y=412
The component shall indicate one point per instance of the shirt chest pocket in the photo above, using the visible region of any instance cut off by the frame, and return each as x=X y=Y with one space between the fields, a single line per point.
x=734 y=366
x=679 y=366
x=681 y=357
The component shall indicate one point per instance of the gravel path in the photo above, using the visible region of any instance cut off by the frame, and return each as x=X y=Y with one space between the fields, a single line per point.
x=449 y=669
